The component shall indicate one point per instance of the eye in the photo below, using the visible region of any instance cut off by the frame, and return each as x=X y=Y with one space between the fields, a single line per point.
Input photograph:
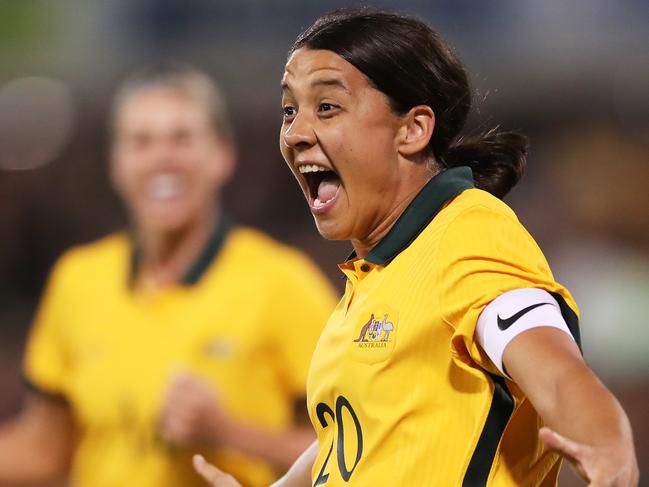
x=139 y=141
x=288 y=112
x=327 y=107
x=182 y=137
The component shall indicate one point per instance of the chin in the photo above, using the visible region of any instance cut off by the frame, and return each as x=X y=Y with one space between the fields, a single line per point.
x=331 y=231
x=165 y=222
x=167 y=227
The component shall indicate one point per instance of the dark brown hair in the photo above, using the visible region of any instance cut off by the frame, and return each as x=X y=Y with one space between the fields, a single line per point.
x=412 y=65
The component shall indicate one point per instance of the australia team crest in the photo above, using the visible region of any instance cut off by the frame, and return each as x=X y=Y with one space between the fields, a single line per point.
x=375 y=335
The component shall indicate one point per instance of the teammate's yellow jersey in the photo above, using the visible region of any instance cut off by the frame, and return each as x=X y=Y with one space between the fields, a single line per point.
x=246 y=319
x=399 y=391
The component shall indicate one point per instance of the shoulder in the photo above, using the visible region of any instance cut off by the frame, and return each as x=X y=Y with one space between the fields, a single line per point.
x=476 y=203
x=275 y=265
x=479 y=224
x=481 y=215
x=471 y=222
x=263 y=250
x=101 y=256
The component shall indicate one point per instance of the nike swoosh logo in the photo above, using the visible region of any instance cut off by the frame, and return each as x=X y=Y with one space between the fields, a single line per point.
x=504 y=323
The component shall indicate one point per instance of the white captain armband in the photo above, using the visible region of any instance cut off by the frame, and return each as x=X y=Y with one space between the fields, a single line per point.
x=512 y=313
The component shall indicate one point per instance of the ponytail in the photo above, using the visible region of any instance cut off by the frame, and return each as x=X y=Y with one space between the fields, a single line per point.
x=496 y=158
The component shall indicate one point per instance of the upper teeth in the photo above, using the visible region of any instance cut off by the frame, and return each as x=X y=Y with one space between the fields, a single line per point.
x=164 y=186
x=311 y=168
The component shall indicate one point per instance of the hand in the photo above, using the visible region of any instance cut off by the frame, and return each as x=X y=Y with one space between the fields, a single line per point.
x=608 y=466
x=192 y=413
x=214 y=476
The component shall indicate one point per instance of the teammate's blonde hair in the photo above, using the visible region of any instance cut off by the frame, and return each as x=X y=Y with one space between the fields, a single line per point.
x=185 y=79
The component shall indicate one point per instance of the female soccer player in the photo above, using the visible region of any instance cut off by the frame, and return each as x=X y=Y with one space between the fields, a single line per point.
x=154 y=342
x=453 y=344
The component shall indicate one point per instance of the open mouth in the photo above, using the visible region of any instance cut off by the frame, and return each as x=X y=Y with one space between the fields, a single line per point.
x=323 y=184
x=164 y=187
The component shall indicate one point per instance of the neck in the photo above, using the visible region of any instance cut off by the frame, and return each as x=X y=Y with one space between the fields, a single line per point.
x=365 y=245
x=165 y=257
x=418 y=178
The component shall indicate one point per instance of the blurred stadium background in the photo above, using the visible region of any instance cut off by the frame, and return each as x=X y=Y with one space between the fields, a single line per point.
x=572 y=74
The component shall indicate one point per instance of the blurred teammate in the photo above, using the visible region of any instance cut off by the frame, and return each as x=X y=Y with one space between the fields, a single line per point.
x=453 y=346
x=186 y=332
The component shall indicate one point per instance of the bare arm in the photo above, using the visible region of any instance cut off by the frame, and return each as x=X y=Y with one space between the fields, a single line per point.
x=299 y=475
x=590 y=427
x=36 y=446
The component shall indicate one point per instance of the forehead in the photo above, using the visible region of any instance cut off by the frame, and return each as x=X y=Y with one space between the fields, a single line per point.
x=155 y=105
x=316 y=68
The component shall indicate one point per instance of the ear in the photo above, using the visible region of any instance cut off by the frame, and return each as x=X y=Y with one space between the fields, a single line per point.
x=416 y=130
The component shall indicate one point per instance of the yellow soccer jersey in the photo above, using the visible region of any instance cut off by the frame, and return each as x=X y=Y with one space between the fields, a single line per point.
x=246 y=318
x=399 y=392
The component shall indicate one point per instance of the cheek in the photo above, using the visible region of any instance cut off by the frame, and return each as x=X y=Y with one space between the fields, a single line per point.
x=197 y=161
x=124 y=174
x=364 y=143
x=363 y=159
x=286 y=152
x=287 y=155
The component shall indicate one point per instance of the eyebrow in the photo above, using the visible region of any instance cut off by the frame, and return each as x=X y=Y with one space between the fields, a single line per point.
x=336 y=83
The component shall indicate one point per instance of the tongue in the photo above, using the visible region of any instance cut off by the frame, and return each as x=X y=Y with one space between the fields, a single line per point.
x=328 y=188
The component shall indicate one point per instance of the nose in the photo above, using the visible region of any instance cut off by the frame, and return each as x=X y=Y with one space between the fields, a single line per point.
x=299 y=133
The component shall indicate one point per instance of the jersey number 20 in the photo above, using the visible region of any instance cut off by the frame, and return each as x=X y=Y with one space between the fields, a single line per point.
x=324 y=412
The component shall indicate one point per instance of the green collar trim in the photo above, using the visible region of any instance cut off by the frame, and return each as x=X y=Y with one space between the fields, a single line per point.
x=420 y=212
x=204 y=260
x=214 y=245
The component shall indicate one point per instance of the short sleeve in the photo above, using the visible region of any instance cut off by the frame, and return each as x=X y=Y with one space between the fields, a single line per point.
x=303 y=301
x=47 y=361
x=484 y=253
